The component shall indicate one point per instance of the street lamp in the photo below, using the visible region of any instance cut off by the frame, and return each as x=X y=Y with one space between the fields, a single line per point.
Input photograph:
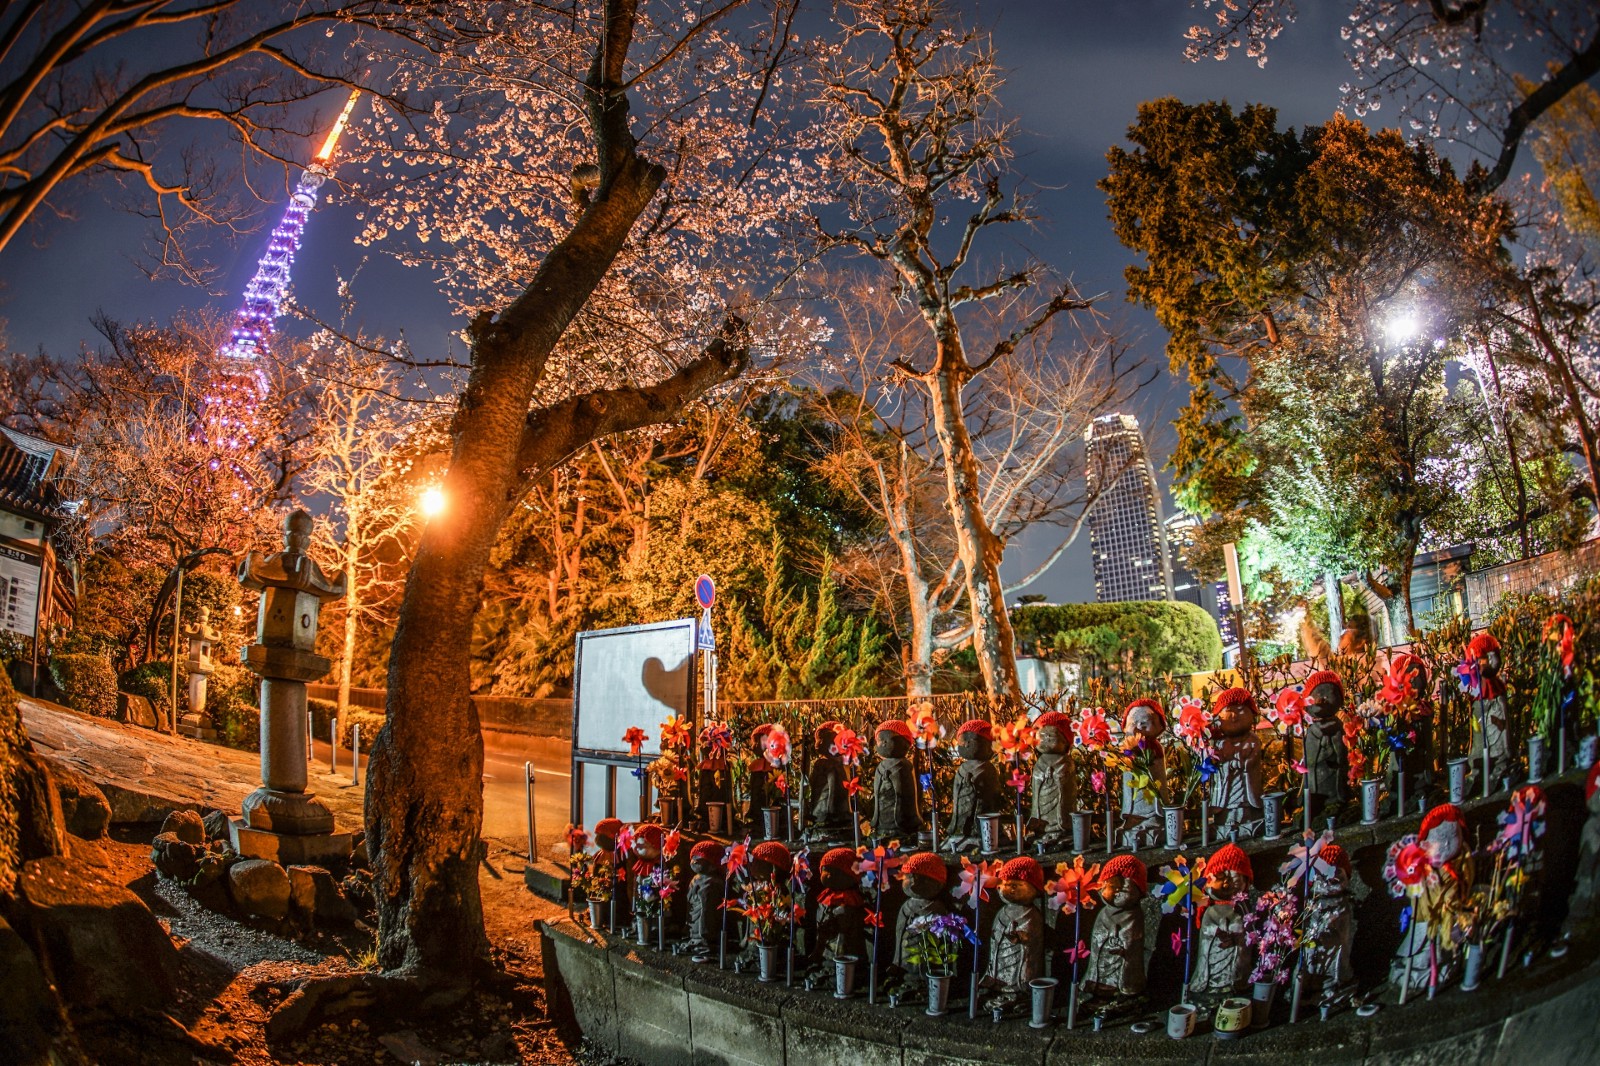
x=432 y=501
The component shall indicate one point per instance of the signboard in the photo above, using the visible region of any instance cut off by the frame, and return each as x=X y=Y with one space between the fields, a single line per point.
x=705 y=591
x=19 y=592
x=706 y=640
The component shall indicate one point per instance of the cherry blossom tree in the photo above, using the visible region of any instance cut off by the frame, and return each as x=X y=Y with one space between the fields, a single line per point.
x=1453 y=65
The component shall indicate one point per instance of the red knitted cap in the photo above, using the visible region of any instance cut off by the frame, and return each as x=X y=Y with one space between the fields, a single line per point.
x=1230 y=696
x=979 y=726
x=1057 y=719
x=1323 y=677
x=649 y=832
x=608 y=827
x=1445 y=812
x=838 y=859
x=707 y=849
x=1024 y=868
x=829 y=726
x=1404 y=663
x=774 y=854
x=1230 y=858
x=1334 y=855
x=1592 y=782
x=897 y=727
x=1161 y=715
x=760 y=731
x=927 y=864
x=1129 y=867
x=1482 y=644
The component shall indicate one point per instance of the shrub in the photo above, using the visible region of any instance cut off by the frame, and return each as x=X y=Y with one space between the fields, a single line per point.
x=238 y=721
x=153 y=681
x=1149 y=637
x=88 y=682
x=322 y=712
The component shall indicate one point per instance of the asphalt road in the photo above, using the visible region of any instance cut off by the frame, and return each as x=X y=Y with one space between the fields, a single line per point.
x=505 y=796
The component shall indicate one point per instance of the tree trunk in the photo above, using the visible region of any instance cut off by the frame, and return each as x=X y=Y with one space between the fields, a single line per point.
x=425 y=783
x=1334 y=593
x=980 y=550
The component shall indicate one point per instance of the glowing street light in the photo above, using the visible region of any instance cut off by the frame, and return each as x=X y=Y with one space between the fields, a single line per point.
x=432 y=501
x=1401 y=328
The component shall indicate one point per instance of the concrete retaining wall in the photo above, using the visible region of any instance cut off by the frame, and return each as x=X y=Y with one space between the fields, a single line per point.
x=659 y=1009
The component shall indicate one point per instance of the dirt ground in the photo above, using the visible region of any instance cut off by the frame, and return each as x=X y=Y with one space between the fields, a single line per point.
x=234 y=974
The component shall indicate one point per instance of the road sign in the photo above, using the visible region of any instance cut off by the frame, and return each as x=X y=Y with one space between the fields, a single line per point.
x=705 y=591
x=705 y=640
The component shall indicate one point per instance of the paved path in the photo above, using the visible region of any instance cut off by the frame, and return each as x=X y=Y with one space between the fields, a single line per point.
x=145 y=774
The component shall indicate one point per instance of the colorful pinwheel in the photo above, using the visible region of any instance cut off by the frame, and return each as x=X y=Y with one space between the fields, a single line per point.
x=1287 y=712
x=1075 y=886
x=1561 y=626
x=975 y=881
x=1180 y=886
x=1193 y=722
x=577 y=839
x=800 y=871
x=877 y=864
x=674 y=733
x=924 y=726
x=848 y=745
x=1305 y=859
x=1018 y=780
x=1094 y=732
x=717 y=737
x=635 y=738
x=775 y=746
x=736 y=858
x=1410 y=867
x=1521 y=825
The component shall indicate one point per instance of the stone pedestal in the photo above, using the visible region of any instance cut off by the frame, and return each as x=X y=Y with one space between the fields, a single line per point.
x=281 y=821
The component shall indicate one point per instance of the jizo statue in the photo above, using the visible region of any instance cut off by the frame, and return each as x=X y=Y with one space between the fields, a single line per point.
x=1016 y=943
x=1327 y=757
x=1223 y=961
x=895 y=813
x=1054 y=787
x=1236 y=786
x=1115 y=975
x=830 y=803
x=976 y=789
x=1490 y=716
x=1142 y=725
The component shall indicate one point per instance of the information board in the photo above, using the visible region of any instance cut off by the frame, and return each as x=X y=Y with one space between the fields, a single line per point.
x=19 y=591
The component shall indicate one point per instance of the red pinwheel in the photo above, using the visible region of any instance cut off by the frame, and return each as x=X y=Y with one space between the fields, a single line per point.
x=775 y=746
x=717 y=736
x=848 y=745
x=1015 y=741
x=852 y=785
x=924 y=726
x=1567 y=639
x=873 y=919
x=1077 y=952
x=975 y=881
x=635 y=738
x=669 y=846
x=1075 y=886
x=624 y=840
x=1193 y=722
x=1094 y=732
x=1018 y=779
x=1288 y=710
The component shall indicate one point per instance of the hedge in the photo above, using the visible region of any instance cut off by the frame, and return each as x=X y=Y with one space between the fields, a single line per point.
x=1192 y=642
x=88 y=682
x=153 y=681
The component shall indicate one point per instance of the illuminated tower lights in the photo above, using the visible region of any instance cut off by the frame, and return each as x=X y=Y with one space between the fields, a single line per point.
x=228 y=409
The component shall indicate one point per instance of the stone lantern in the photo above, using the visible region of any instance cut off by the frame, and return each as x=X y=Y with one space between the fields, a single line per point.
x=282 y=821
x=197 y=663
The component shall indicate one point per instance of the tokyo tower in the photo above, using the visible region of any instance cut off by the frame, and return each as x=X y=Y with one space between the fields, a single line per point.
x=228 y=410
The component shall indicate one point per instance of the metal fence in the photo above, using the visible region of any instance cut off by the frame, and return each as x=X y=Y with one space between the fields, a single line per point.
x=1548 y=573
x=496 y=714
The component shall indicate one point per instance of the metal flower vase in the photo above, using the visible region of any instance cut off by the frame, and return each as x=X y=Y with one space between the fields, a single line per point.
x=1457 y=769
x=1371 y=793
x=1044 y=1001
x=938 y=994
x=844 y=975
x=1172 y=824
x=1272 y=815
x=1081 y=821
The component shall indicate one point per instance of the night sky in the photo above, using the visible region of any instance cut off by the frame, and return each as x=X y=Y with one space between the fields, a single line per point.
x=1078 y=71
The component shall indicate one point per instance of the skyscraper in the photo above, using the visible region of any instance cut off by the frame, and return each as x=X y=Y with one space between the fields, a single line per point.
x=1126 y=532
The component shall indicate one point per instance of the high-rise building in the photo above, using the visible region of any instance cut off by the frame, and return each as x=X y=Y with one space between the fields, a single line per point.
x=1126 y=533
x=1210 y=595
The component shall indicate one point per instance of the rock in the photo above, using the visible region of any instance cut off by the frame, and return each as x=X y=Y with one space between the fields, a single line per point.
x=314 y=892
x=84 y=808
x=216 y=823
x=259 y=887
x=357 y=889
x=175 y=857
x=100 y=943
x=135 y=710
x=358 y=851
x=186 y=826
x=29 y=1016
x=408 y=1047
x=41 y=830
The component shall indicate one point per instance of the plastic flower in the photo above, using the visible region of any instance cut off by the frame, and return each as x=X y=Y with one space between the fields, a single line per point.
x=975 y=881
x=776 y=746
x=1075 y=886
x=1287 y=711
x=1305 y=859
x=1470 y=677
x=674 y=733
x=577 y=839
x=1018 y=779
x=635 y=738
x=1566 y=639
x=1094 y=732
x=848 y=745
x=1180 y=888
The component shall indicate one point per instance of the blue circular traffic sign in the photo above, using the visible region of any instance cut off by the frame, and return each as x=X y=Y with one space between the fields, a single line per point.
x=705 y=591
